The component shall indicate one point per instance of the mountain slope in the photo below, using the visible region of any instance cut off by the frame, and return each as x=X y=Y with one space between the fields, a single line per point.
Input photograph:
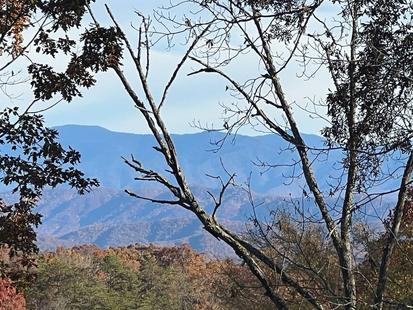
x=108 y=216
x=102 y=151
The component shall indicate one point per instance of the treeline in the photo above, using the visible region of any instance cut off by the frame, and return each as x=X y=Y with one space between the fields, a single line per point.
x=155 y=277
x=134 y=277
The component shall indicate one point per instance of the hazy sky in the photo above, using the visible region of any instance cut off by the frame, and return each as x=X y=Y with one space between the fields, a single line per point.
x=195 y=98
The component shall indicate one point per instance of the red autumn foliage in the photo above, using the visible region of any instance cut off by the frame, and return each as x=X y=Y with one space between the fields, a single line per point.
x=10 y=299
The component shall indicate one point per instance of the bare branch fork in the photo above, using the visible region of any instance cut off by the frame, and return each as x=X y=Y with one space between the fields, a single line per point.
x=185 y=197
x=218 y=201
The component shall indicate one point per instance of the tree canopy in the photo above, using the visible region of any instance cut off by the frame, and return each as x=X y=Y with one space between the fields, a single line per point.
x=31 y=157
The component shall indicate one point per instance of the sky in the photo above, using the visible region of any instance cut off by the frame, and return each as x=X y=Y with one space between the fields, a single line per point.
x=192 y=99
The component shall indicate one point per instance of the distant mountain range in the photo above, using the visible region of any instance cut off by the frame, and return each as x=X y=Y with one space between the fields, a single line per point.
x=102 y=151
x=108 y=216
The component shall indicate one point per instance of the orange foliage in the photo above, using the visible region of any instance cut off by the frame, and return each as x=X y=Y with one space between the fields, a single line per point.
x=10 y=299
x=208 y=283
x=17 y=18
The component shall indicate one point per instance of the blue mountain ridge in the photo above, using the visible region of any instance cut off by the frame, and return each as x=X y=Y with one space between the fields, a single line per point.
x=102 y=151
x=108 y=216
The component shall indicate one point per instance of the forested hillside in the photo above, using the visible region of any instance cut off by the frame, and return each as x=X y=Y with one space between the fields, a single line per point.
x=140 y=277
x=153 y=277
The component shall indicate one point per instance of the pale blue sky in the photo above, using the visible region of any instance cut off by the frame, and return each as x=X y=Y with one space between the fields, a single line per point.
x=194 y=98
